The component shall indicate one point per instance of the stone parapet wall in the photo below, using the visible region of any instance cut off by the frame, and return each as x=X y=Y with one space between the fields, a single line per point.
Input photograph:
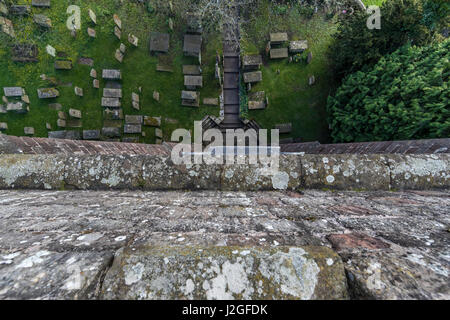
x=296 y=172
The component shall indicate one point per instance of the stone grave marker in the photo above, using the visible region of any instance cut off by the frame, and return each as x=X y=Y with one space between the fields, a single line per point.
x=96 y=84
x=17 y=107
x=193 y=82
x=112 y=93
x=19 y=10
x=3 y=9
x=252 y=77
x=117 y=32
x=192 y=70
x=48 y=126
x=133 y=40
x=132 y=128
x=122 y=48
x=74 y=113
x=3 y=126
x=256 y=100
x=278 y=38
x=13 y=91
x=93 y=73
x=312 y=80
x=284 y=127
x=42 y=21
x=29 y=131
x=92 y=16
x=24 y=52
x=279 y=53
x=158 y=133
x=131 y=119
x=156 y=96
x=190 y=98
x=252 y=62
x=309 y=59
x=74 y=123
x=298 y=46
x=192 y=45
x=152 y=121
x=118 y=55
x=159 y=42
x=47 y=93
x=62 y=115
x=63 y=65
x=91 y=32
x=91 y=134
x=117 y=21
x=86 y=61
x=50 y=50
x=7 y=27
x=41 y=3
x=111 y=132
x=111 y=74
x=211 y=101
x=113 y=114
x=25 y=98
x=111 y=102
x=78 y=91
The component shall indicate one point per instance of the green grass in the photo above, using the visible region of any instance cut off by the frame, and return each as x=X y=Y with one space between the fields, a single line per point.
x=138 y=67
x=291 y=99
x=373 y=2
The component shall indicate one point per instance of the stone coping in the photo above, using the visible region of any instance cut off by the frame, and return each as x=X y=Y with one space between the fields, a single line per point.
x=157 y=172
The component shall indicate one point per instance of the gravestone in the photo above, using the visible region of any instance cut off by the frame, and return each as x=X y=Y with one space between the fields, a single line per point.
x=309 y=59
x=91 y=134
x=131 y=119
x=122 y=48
x=117 y=21
x=159 y=42
x=41 y=3
x=62 y=115
x=111 y=132
x=251 y=77
x=93 y=73
x=86 y=61
x=298 y=46
x=278 y=38
x=280 y=53
x=111 y=74
x=92 y=16
x=3 y=126
x=7 y=27
x=29 y=131
x=55 y=106
x=50 y=50
x=112 y=93
x=252 y=62
x=96 y=84
x=284 y=127
x=91 y=32
x=78 y=91
x=193 y=82
x=312 y=80
x=19 y=10
x=111 y=102
x=256 y=100
x=13 y=91
x=17 y=107
x=156 y=96
x=74 y=113
x=211 y=101
x=25 y=98
x=192 y=45
x=24 y=53
x=133 y=40
x=117 y=32
x=132 y=128
x=42 y=21
x=113 y=114
x=164 y=63
x=74 y=123
x=48 y=126
x=190 y=98
x=63 y=65
x=152 y=121
x=192 y=70
x=158 y=133
x=118 y=55
x=47 y=93
x=69 y=135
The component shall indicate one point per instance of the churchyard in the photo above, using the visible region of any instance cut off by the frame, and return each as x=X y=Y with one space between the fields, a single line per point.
x=132 y=71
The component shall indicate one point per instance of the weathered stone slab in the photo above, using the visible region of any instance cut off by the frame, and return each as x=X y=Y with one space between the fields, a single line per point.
x=257 y=100
x=210 y=101
x=13 y=91
x=280 y=53
x=111 y=74
x=298 y=46
x=24 y=52
x=130 y=139
x=29 y=131
x=42 y=20
x=192 y=45
x=113 y=114
x=61 y=123
x=86 y=61
x=91 y=32
x=192 y=70
x=132 y=128
x=63 y=65
x=193 y=82
x=111 y=102
x=278 y=38
x=74 y=113
x=19 y=10
x=3 y=126
x=78 y=91
x=47 y=93
x=91 y=134
x=252 y=62
x=252 y=77
x=117 y=21
x=152 y=121
x=112 y=93
x=158 y=133
x=284 y=127
x=18 y=107
x=159 y=42
x=190 y=98
x=244 y=273
x=131 y=119
x=41 y=3
x=111 y=132
x=92 y=16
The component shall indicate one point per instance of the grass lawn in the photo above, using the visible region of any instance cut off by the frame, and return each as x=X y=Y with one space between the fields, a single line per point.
x=373 y=2
x=138 y=67
x=291 y=99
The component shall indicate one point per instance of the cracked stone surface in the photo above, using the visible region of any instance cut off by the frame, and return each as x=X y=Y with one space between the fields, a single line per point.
x=61 y=244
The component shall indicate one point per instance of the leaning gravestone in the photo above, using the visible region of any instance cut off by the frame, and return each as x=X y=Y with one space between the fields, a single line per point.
x=47 y=93
x=42 y=21
x=3 y=126
x=78 y=91
x=29 y=131
x=91 y=32
x=117 y=21
x=92 y=16
x=133 y=40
